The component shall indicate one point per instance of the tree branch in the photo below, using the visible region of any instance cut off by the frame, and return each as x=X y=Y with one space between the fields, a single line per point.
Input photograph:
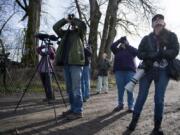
x=23 y=7
x=7 y=22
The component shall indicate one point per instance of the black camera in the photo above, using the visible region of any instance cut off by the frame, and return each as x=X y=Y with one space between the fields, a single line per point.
x=42 y=36
x=70 y=16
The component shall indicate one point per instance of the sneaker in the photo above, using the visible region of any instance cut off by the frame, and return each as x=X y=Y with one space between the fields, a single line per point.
x=130 y=110
x=68 y=112
x=74 y=116
x=118 y=108
x=98 y=92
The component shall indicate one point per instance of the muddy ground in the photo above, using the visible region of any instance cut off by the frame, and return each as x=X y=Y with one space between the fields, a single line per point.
x=34 y=117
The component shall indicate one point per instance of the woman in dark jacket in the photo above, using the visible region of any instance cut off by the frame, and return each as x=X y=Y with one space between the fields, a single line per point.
x=156 y=50
x=124 y=69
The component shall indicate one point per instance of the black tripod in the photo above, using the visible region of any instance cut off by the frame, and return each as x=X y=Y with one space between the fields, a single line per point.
x=46 y=42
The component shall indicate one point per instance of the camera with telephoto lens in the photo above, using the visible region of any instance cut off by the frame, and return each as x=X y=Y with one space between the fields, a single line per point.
x=134 y=80
x=70 y=16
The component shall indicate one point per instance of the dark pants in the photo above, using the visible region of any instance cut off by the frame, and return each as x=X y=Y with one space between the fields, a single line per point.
x=46 y=81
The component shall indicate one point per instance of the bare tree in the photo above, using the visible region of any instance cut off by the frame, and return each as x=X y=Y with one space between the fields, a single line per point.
x=118 y=16
x=95 y=16
x=6 y=16
x=109 y=31
x=32 y=9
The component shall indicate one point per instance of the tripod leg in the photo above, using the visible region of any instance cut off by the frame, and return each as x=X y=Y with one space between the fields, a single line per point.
x=48 y=81
x=57 y=83
x=27 y=86
x=55 y=114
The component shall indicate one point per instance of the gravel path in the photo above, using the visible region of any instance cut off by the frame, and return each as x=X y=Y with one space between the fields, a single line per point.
x=34 y=117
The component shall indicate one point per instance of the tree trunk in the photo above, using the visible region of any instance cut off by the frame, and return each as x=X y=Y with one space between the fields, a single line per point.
x=109 y=31
x=95 y=16
x=112 y=27
x=30 y=58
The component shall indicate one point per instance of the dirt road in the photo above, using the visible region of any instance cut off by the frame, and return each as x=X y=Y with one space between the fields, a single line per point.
x=34 y=117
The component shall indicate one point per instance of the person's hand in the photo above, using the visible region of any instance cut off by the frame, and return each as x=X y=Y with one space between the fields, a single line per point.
x=153 y=56
x=67 y=19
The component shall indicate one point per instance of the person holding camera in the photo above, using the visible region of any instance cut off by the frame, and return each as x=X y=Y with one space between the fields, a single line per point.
x=45 y=70
x=124 y=68
x=156 y=50
x=70 y=54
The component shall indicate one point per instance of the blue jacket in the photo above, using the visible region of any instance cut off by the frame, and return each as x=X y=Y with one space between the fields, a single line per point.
x=124 y=57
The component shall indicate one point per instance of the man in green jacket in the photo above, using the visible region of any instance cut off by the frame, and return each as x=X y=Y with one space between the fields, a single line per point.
x=70 y=54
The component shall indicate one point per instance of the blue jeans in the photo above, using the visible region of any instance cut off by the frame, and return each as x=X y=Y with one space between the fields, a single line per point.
x=122 y=78
x=161 y=80
x=73 y=85
x=85 y=82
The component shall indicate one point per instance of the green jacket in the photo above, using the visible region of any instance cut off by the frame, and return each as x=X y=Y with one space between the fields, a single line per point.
x=71 y=49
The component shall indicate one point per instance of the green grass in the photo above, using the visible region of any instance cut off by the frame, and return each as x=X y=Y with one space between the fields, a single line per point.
x=36 y=86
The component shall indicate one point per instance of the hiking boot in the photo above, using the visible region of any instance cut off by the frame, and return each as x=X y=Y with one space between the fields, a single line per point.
x=133 y=124
x=157 y=131
x=68 y=112
x=98 y=92
x=74 y=116
x=118 y=108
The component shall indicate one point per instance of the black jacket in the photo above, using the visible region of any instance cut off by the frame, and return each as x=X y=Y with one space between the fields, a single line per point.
x=169 y=47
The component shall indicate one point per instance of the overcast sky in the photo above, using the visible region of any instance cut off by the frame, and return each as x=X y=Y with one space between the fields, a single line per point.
x=170 y=9
x=56 y=10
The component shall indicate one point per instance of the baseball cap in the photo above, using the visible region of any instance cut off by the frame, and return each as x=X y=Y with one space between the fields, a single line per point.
x=160 y=16
x=158 y=20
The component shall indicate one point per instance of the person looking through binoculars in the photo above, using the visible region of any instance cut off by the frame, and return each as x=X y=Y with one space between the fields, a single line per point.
x=124 y=69
x=156 y=50
x=70 y=55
